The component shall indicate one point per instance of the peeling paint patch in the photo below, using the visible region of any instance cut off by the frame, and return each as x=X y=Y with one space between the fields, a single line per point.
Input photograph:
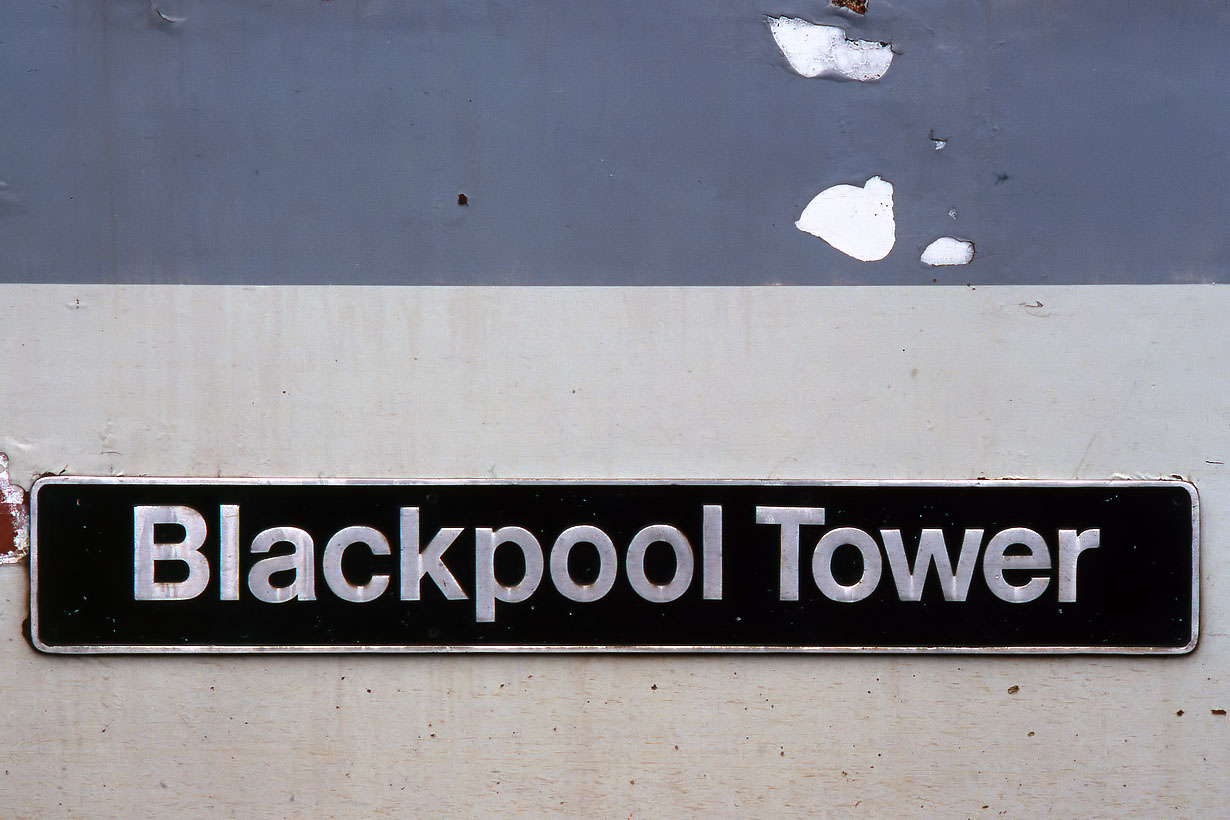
x=856 y=221
x=824 y=51
x=14 y=520
x=948 y=250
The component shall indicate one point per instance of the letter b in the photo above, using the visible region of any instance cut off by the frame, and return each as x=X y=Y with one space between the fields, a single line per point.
x=147 y=552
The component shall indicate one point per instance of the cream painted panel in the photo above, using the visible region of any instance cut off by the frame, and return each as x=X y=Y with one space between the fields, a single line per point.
x=798 y=383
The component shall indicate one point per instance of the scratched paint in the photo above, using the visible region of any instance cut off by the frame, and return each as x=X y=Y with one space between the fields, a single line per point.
x=824 y=51
x=161 y=17
x=856 y=221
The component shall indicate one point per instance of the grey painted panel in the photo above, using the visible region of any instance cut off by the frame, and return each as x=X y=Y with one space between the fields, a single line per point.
x=612 y=143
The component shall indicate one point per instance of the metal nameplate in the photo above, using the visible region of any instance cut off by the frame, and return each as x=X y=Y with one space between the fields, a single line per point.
x=272 y=565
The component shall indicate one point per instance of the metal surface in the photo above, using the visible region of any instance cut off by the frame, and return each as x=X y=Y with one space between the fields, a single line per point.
x=633 y=143
x=290 y=142
x=1140 y=577
x=885 y=382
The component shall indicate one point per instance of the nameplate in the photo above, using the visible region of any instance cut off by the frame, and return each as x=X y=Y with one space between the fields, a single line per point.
x=260 y=565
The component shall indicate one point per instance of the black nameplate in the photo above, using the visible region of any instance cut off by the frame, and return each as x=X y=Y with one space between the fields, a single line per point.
x=235 y=565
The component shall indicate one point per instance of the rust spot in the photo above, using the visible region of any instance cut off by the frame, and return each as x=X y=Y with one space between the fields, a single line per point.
x=856 y=6
x=8 y=530
x=14 y=519
x=463 y=200
x=1013 y=689
x=1179 y=713
x=1218 y=712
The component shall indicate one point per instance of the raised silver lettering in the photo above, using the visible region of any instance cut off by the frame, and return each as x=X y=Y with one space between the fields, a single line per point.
x=711 y=551
x=932 y=550
x=336 y=549
x=228 y=546
x=302 y=561
x=684 y=563
x=430 y=562
x=147 y=552
x=994 y=562
x=822 y=564
x=488 y=590
x=789 y=519
x=608 y=564
x=1071 y=545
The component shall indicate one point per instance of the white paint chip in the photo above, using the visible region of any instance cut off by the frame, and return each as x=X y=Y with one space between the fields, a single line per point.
x=856 y=221
x=948 y=250
x=823 y=51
